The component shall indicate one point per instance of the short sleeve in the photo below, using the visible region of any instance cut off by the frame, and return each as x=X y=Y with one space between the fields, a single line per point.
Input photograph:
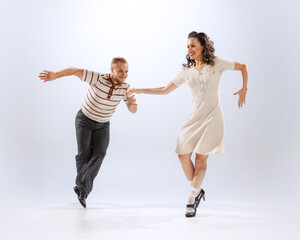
x=180 y=78
x=90 y=77
x=224 y=64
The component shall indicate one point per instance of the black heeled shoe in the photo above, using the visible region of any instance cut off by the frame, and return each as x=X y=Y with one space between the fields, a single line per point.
x=199 y=197
x=196 y=204
x=81 y=197
x=191 y=214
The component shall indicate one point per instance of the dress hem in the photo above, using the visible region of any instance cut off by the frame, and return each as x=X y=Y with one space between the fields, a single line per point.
x=209 y=153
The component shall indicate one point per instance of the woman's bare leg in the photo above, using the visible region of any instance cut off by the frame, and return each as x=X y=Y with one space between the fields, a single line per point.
x=198 y=176
x=187 y=165
x=200 y=170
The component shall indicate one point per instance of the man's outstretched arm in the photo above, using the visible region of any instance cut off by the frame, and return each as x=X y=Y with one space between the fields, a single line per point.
x=47 y=76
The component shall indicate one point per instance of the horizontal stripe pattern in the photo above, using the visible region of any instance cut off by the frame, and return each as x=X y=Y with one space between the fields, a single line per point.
x=102 y=97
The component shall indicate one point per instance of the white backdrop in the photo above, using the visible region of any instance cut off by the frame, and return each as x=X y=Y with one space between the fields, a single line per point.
x=38 y=142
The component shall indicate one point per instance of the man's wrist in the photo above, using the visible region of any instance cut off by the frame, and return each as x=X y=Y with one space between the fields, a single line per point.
x=56 y=75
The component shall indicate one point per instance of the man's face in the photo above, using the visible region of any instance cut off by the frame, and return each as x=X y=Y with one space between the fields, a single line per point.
x=119 y=72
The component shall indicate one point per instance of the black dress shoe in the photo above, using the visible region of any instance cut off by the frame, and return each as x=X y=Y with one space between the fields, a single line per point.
x=76 y=190
x=191 y=214
x=199 y=197
x=81 y=197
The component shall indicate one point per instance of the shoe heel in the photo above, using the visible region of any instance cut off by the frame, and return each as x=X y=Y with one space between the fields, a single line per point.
x=204 y=197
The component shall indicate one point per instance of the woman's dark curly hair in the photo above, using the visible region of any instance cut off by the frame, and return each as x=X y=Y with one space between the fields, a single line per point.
x=208 y=49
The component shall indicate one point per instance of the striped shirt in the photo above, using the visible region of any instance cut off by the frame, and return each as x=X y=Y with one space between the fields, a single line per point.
x=103 y=96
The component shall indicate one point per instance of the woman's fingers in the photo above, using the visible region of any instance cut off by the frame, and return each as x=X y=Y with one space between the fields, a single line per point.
x=241 y=101
x=242 y=98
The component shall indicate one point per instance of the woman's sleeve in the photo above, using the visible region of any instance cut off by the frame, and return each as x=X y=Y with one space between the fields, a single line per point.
x=224 y=64
x=180 y=78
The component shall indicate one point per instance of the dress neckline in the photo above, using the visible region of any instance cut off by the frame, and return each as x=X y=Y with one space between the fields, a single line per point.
x=200 y=72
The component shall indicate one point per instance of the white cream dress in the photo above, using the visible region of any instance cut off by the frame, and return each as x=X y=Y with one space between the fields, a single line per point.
x=204 y=131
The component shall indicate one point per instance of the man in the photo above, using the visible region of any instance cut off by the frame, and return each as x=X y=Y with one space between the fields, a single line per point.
x=92 y=121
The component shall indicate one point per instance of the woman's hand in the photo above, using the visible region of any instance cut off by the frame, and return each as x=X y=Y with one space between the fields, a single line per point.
x=242 y=96
x=135 y=90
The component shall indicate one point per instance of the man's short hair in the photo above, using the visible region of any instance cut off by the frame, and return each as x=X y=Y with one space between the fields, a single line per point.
x=117 y=59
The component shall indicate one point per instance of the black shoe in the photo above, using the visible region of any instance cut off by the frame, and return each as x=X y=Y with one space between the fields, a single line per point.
x=76 y=190
x=198 y=198
x=191 y=214
x=81 y=197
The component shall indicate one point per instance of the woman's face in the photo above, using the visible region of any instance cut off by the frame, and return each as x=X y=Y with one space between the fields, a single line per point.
x=194 y=48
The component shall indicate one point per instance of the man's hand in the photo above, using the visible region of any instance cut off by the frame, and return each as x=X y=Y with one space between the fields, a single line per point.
x=47 y=76
x=131 y=98
x=131 y=102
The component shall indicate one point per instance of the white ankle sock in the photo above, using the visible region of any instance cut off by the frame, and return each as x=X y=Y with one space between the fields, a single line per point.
x=191 y=198
x=195 y=191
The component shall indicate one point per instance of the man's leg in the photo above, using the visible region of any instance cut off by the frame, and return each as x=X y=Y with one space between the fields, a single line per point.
x=84 y=144
x=100 y=141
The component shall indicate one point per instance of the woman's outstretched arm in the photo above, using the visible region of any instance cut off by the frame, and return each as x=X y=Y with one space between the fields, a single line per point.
x=242 y=92
x=156 y=91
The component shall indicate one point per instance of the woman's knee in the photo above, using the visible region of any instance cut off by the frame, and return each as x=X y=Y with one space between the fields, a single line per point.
x=184 y=157
x=201 y=161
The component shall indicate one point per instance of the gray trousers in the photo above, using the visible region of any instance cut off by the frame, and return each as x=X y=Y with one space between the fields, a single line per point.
x=92 y=142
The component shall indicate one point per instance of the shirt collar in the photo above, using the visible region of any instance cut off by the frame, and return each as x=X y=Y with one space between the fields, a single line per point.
x=111 y=81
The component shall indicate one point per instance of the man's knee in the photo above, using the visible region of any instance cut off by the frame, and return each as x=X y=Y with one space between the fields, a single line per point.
x=98 y=156
x=84 y=153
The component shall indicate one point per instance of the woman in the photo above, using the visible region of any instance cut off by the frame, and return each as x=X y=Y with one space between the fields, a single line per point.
x=203 y=133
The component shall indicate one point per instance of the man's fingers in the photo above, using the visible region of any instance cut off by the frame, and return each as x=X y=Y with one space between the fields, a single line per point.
x=44 y=75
